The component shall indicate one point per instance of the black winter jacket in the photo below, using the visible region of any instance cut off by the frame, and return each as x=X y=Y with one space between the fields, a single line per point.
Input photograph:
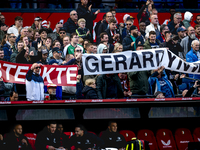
x=89 y=93
x=70 y=26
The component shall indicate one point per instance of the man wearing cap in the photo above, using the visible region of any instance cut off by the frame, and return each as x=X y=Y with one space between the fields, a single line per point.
x=62 y=34
x=34 y=84
x=181 y=33
x=51 y=89
x=131 y=41
x=57 y=54
x=43 y=59
x=55 y=34
x=37 y=23
x=159 y=94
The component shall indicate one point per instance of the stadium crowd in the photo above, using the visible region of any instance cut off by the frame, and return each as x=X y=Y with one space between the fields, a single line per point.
x=40 y=45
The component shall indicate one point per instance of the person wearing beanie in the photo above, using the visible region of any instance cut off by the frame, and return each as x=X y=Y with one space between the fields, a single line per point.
x=188 y=16
x=131 y=41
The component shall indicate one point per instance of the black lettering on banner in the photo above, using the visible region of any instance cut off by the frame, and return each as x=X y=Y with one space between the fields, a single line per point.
x=171 y=59
x=104 y=62
x=93 y=64
x=136 y=63
x=195 y=68
x=186 y=66
x=157 y=56
x=145 y=59
x=117 y=61
x=179 y=64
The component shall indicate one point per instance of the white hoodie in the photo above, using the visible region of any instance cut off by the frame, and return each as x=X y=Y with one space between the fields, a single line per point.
x=188 y=15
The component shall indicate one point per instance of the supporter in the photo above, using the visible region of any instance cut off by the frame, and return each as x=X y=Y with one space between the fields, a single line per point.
x=104 y=25
x=20 y=47
x=85 y=11
x=3 y=30
x=2 y=54
x=43 y=37
x=51 y=89
x=48 y=138
x=126 y=30
x=125 y=84
x=154 y=26
x=102 y=49
x=16 y=140
x=43 y=59
x=38 y=25
x=159 y=94
x=9 y=47
x=188 y=93
x=15 y=29
x=197 y=31
x=163 y=29
x=66 y=41
x=82 y=31
x=13 y=96
x=26 y=44
x=89 y=91
x=143 y=14
x=2 y=18
x=80 y=41
x=69 y=49
x=139 y=81
x=158 y=81
x=186 y=42
x=34 y=83
x=55 y=34
x=4 y=40
x=131 y=41
x=57 y=55
x=113 y=34
x=85 y=42
x=118 y=48
x=196 y=22
x=181 y=34
x=104 y=40
x=23 y=56
x=71 y=24
x=2 y=87
x=113 y=11
x=36 y=35
x=193 y=55
x=188 y=16
x=171 y=43
x=84 y=140
x=142 y=28
x=94 y=49
x=64 y=139
x=98 y=24
x=175 y=23
x=30 y=35
x=112 y=138
x=152 y=42
x=62 y=33
x=48 y=43
x=109 y=86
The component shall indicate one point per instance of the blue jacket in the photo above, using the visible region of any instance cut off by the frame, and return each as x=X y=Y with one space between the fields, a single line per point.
x=191 y=56
x=7 y=51
x=154 y=80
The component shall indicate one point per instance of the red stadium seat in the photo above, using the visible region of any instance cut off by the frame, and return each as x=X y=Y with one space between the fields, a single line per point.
x=128 y=134
x=69 y=133
x=31 y=139
x=148 y=135
x=165 y=140
x=183 y=137
x=196 y=134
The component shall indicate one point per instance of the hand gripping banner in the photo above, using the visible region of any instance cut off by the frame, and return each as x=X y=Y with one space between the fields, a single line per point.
x=56 y=74
x=141 y=60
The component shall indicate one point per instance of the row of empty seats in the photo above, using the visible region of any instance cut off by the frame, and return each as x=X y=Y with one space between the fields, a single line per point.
x=164 y=139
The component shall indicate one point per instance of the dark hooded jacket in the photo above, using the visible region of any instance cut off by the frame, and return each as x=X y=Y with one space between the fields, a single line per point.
x=89 y=93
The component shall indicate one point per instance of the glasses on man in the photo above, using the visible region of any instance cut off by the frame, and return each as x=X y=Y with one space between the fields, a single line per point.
x=78 y=50
x=129 y=24
x=37 y=67
x=74 y=14
x=62 y=32
x=12 y=36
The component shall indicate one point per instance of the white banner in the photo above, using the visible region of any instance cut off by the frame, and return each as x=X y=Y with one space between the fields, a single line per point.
x=141 y=60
